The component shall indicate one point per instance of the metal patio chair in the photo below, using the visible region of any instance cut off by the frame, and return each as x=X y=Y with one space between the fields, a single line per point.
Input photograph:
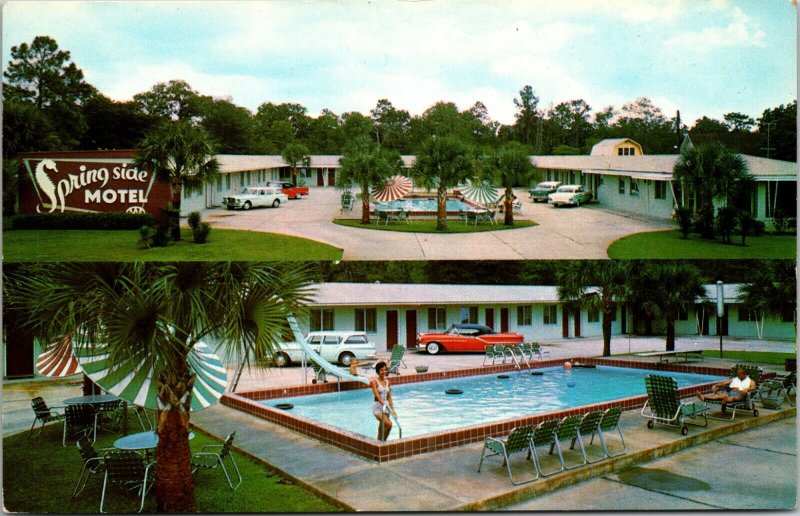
x=588 y=427
x=129 y=470
x=567 y=431
x=519 y=440
x=43 y=413
x=666 y=407
x=608 y=422
x=213 y=459
x=544 y=435
x=92 y=463
x=80 y=420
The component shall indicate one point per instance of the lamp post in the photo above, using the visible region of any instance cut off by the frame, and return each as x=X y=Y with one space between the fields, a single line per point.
x=720 y=313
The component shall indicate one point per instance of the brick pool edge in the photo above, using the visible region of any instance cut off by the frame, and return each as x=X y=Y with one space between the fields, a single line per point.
x=380 y=451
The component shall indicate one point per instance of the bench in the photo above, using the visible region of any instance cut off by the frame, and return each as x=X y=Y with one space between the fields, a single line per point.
x=663 y=356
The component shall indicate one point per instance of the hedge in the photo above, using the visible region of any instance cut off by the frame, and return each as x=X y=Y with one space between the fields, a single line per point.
x=82 y=221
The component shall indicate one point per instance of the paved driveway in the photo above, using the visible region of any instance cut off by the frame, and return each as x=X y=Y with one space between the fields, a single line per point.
x=563 y=233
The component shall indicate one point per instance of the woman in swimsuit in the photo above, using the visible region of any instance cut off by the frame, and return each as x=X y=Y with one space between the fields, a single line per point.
x=383 y=400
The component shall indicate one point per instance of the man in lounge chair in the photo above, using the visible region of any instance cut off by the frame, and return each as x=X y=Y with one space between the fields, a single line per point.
x=733 y=390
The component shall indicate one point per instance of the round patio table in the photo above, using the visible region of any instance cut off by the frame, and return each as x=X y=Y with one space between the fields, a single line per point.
x=141 y=441
x=93 y=399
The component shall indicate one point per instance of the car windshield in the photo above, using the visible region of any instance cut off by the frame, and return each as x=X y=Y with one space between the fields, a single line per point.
x=251 y=191
x=567 y=189
x=545 y=185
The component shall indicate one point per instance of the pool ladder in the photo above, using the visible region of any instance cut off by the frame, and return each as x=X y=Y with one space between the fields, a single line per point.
x=391 y=415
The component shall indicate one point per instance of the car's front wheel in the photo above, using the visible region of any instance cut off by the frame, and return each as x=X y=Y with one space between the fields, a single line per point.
x=276 y=203
x=247 y=205
x=282 y=360
x=433 y=348
x=346 y=358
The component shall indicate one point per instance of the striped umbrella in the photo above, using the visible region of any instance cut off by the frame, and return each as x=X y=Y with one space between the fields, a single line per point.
x=58 y=360
x=481 y=192
x=396 y=187
x=135 y=385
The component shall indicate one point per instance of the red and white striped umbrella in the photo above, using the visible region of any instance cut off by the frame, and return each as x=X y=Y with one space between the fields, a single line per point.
x=58 y=360
x=396 y=187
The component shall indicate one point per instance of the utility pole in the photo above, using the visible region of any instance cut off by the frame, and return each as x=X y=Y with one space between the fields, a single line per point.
x=678 y=131
x=768 y=148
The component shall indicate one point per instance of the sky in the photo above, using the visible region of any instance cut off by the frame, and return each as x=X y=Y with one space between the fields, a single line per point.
x=704 y=57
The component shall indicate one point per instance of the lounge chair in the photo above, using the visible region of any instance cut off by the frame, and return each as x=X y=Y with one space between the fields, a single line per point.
x=567 y=432
x=544 y=435
x=396 y=360
x=748 y=401
x=347 y=202
x=526 y=348
x=666 y=407
x=519 y=440
x=213 y=459
x=399 y=216
x=789 y=381
x=462 y=215
x=608 y=422
x=489 y=354
x=80 y=420
x=588 y=427
x=43 y=413
x=518 y=351
x=537 y=349
x=129 y=470
x=771 y=394
x=489 y=216
x=92 y=463
x=500 y=351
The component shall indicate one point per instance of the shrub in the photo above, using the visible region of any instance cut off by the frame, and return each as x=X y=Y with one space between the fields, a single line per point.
x=704 y=223
x=726 y=222
x=758 y=228
x=194 y=220
x=684 y=217
x=201 y=232
x=82 y=221
x=747 y=226
x=146 y=234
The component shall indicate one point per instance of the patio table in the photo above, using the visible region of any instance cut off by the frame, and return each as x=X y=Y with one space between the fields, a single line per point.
x=141 y=441
x=92 y=399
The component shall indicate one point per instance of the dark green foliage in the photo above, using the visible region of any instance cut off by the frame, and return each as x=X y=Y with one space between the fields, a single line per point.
x=146 y=234
x=746 y=227
x=200 y=233
x=194 y=219
x=726 y=222
x=81 y=221
x=779 y=221
x=683 y=215
x=704 y=222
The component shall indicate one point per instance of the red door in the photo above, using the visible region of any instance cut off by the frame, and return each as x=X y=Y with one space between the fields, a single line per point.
x=564 y=322
x=411 y=329
x=577 y=314
x=391 y=329
x=320 y=178
x=490 y=317
x=331 y=177
x=503 y=320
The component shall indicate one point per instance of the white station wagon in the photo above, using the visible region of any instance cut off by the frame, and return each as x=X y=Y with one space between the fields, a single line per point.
x=333 y=346
x=254 y=196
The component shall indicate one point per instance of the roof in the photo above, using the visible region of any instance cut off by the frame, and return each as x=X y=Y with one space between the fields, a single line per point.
x=242 y=162
x=408 y=294
x=606 y=147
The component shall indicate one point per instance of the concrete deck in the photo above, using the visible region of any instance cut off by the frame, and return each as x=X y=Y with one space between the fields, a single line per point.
x=579 y=233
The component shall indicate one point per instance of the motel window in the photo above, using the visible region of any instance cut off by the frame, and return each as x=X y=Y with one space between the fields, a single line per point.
x=241 y=179
x=550 y=314
x=787 y=314
x=683 y=314
x=621 y=185
x=219 y=182
x=660 y=189
x=437 y=318
x=366 y=320
x=634 y=187
x=469 y=315
x=745 y=315
x=228 y=181
x=593 y=315
x=620 y=151
x=321 y=320
x=524 y=315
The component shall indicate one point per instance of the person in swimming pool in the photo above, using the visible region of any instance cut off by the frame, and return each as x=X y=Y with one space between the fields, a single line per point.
x=382 y=403
x=734 y=389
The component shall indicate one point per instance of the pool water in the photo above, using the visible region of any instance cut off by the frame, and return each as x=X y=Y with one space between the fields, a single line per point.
x=422 y=204
x=424 y=407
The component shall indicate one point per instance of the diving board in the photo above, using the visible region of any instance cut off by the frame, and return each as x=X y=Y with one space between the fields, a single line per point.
x=664 y=355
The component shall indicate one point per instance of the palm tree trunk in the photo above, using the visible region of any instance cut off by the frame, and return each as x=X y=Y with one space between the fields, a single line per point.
x=509 y=207
x=365 y=205
x=174 y=217
x=294 y=175
x=670 y=333
x=607 y=308
x=441 y=205
x=174 y=490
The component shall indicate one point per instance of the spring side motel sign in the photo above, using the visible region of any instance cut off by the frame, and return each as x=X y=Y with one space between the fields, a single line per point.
x=78 y=184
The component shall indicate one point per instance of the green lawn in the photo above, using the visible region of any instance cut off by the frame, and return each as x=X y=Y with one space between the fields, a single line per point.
x=669 y=245
x=429 y=226
x=39 y=476
x=762 y=357
x=122 y=245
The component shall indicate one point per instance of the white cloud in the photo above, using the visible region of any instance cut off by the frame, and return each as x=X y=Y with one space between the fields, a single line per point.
x=741 y=31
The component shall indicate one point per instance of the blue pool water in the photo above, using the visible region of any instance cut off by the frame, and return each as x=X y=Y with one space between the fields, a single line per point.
x=423 y=204
x=424 y=407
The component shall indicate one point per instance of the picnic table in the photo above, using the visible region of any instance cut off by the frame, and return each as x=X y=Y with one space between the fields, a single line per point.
x=663 y=356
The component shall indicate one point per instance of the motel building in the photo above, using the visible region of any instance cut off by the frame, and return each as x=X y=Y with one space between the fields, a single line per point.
x=393 y=314
x=622 y=178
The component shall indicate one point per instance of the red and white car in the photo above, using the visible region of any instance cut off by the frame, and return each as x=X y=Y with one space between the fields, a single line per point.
x=465 y=338
x=291 y=190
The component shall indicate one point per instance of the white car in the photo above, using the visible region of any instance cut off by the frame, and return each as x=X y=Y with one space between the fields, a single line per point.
x=333 y=346
x=574 y=195
x=254 y=196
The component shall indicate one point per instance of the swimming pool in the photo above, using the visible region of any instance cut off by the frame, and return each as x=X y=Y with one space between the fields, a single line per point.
x=425 y=205
x=425 y=407
x=260 y=404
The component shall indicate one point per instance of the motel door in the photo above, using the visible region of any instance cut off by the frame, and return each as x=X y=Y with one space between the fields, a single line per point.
x=703 y=320
x=391 y=329
x=577 y=314
x=490 y=317
x=411 y=329
x=320 y=178
x=331 y=177
x=504 y=320
x=565 y=321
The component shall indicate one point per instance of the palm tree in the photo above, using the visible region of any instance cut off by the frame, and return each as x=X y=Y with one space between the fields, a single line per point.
x=183 y=155
x=442 y=163
x=598 y=285
x=770 y=292
x=153 y=314
x=295 y=154
x=512 y=167
x=664 y=289
x=367 y=165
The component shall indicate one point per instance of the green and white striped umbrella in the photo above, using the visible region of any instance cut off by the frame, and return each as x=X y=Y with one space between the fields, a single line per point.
x=135 y=384
x=481 y=192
